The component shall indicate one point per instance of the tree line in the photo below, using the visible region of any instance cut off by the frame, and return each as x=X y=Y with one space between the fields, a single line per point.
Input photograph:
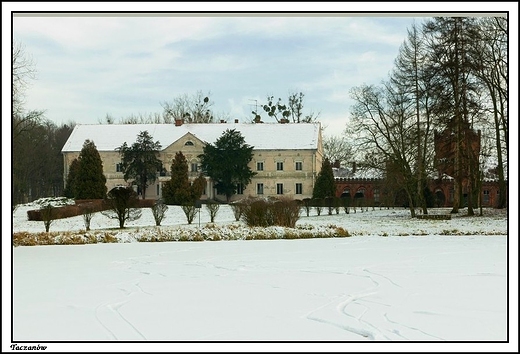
x=198 y=108
x=450 y=76
x=37 y=163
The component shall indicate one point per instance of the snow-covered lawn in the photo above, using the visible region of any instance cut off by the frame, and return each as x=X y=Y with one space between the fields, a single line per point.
x=395 y=279
x=383 y=222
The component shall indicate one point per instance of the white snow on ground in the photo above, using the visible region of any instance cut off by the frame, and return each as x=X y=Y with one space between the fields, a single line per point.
x=397 y=279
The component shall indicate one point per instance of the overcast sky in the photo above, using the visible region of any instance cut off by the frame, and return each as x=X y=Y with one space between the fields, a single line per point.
x=92 y=65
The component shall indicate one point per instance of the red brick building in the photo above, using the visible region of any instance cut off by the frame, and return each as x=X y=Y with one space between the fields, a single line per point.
x=369 y=187
x=372 y=191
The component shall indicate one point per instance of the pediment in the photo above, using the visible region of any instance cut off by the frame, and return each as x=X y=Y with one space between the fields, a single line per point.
x=187 y=142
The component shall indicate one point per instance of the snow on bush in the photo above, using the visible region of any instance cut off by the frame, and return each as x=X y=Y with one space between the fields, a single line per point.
x=392 y=222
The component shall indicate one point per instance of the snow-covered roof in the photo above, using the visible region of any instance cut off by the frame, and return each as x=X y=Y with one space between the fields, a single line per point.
x=359 y=173
x=264 y=136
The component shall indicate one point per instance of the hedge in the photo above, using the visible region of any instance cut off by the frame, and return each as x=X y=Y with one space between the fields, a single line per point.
x=80 y=207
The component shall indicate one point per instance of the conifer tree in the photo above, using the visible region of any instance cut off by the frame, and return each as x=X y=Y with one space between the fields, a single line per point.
x=226 y=162
x=90 y=182
x=70 y=187
x=140 y=161
x=176 y=190
x=197 y=187
x=325 y=185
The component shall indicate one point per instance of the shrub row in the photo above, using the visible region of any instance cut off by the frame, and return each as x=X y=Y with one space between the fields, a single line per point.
x=81 y=207
x=270 y=212
x=61 y=238
x=155 y=234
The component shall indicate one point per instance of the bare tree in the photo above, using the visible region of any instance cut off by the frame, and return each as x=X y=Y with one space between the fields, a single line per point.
x=88 y=214
x=491 y=53
x=385 y=129
x=158 y=211
x=48 y=213
x=295 y=105
x=191 y=109
x=122 y=204
x=449 y=40
x=141 y=118
x=212 y=208
x=409 y=74
x=338 y=148
x=190 y=210
x=282 y=112
x=23 y=72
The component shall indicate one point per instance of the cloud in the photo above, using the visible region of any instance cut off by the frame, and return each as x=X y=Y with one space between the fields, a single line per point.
x=129 y=64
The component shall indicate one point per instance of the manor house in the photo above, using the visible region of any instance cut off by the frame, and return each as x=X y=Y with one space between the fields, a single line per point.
x=286 y=157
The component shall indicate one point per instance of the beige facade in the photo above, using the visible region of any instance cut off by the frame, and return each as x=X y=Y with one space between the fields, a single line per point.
x=289 y=172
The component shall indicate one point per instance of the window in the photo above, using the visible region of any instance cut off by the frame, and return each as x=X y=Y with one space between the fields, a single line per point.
x=299 y=188
x=279 y=166
x=376 y=195
x=188 y=143
x=485 y=200
x=161 y=171
x=259 y=166
x=259 y=188
x=299 y=166
x=240 y=188
x=279 y=188
x=119 y=167
x=157 y=189
x=360 y=193
x=194 y=167
x=346 y=193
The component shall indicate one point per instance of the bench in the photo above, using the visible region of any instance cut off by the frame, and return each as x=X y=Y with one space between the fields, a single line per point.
x=434 y=216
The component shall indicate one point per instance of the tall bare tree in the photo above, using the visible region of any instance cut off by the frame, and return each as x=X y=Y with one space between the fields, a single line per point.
x=386 y=130
x=491 y=54
x=196 y=108
x=449 y=41
x=23 y=72
x=278 y=110
x=295 y=105
x=338 y=149
x=409 y=75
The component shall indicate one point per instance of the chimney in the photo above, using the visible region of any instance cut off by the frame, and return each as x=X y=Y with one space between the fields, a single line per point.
x=354 y=167
x=283 y=121
x=236 y=121
x=178 y=122
x=337 y=164
x=222 y=121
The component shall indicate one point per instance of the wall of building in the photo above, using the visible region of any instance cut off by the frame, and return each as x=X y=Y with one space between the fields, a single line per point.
x=273 y=180
x=374 y=193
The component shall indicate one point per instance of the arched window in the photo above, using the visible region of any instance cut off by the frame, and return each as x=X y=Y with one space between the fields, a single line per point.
x=188 y=143
x=360 y=193
x=440 y=199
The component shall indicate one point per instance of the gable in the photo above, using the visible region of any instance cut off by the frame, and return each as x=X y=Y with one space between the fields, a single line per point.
x=186 y=143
